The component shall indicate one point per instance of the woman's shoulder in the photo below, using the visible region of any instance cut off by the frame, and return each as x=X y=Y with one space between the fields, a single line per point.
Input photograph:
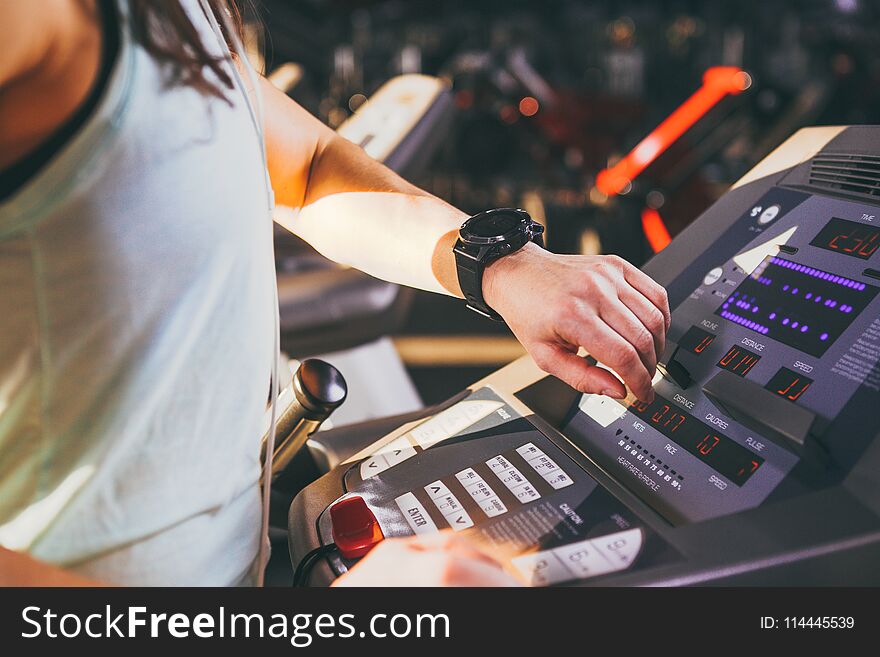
x=51 y=48
x=35 y=29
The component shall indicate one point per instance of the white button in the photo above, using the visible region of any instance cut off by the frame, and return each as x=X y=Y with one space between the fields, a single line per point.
x=437 y=489
x=512 y=478
x=540 y=568
x=416 y=515
x=621 y=548
x=603 y=410
x=768 y=215
x=468 y=476
x=373 y=466
x=459 y=521
x=480 y=490
x=452 y=421
x=447 y=504
x=583 y=559
x=498 y=464
x=543 y=465
x=397 y=451
x=558 y=480
x=526 y=493
x=492 y=507
x=529 y=451
x=712 y=276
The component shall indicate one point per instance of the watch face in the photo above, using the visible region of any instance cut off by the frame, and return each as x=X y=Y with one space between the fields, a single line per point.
x=493 y=225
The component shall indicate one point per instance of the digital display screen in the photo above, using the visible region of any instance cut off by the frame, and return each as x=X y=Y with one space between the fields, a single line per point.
x=788 y=384
x=849 y=238
x=695 y=340
x=738 y=360
x=716 y=450
x=801 y=306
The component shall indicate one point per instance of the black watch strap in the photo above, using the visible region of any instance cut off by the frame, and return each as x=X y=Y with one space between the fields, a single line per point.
x=470 y=279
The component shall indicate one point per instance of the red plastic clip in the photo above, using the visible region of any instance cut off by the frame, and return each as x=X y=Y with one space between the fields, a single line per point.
x=355 y=529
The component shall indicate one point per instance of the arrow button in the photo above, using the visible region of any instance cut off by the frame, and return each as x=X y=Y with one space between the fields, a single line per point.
x=373 y=466
x=436 y=490
x=460 y=521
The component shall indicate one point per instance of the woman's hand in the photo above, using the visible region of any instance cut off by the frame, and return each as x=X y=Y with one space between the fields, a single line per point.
x=442 y=559
x=555 y=304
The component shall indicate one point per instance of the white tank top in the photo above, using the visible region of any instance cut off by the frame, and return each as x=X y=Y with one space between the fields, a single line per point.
x=136 y=314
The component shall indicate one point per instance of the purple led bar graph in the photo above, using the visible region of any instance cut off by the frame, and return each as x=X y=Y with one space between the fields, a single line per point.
x=818 y=273
x=799 y=305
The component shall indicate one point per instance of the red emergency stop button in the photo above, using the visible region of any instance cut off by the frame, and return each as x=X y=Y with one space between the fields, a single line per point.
x=355 y=529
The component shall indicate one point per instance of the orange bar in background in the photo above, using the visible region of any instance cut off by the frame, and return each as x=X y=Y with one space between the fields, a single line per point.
x=655 y=230
x=718 y=82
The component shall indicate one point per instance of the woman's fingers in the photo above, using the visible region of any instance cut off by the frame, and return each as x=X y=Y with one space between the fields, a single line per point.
x=459 y=561
x=441 y=559
x=450 y=542
x=472 y=572
x=615 y=351
x=576 y=371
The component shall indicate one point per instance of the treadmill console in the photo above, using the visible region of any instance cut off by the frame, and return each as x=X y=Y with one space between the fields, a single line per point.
x=773 y=354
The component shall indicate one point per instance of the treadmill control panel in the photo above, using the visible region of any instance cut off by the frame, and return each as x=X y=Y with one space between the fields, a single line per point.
x=773 y=341
x=517 y=493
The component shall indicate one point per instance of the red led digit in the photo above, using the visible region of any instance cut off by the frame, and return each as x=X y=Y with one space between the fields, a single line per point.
x=707 y=444
x=845 y=239
x=659 y=414
x=750 y=360
x=752 y=466
x=705 y=343
x=870 y=245
x=729 y=356
x=793 y=391
x=797 y=393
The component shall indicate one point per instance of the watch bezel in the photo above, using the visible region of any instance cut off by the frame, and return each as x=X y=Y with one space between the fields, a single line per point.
x=522 y=228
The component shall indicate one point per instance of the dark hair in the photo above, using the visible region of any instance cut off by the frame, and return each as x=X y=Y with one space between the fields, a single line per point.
x=165 y=31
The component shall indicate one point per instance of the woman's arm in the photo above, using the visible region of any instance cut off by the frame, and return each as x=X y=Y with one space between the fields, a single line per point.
x=357 y=212
x=353 y=209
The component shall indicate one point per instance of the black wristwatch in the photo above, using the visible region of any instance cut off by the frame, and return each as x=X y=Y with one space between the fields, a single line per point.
x=485 y=237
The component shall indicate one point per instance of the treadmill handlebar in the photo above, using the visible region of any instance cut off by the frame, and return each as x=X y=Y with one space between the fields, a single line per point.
x=318 y=389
